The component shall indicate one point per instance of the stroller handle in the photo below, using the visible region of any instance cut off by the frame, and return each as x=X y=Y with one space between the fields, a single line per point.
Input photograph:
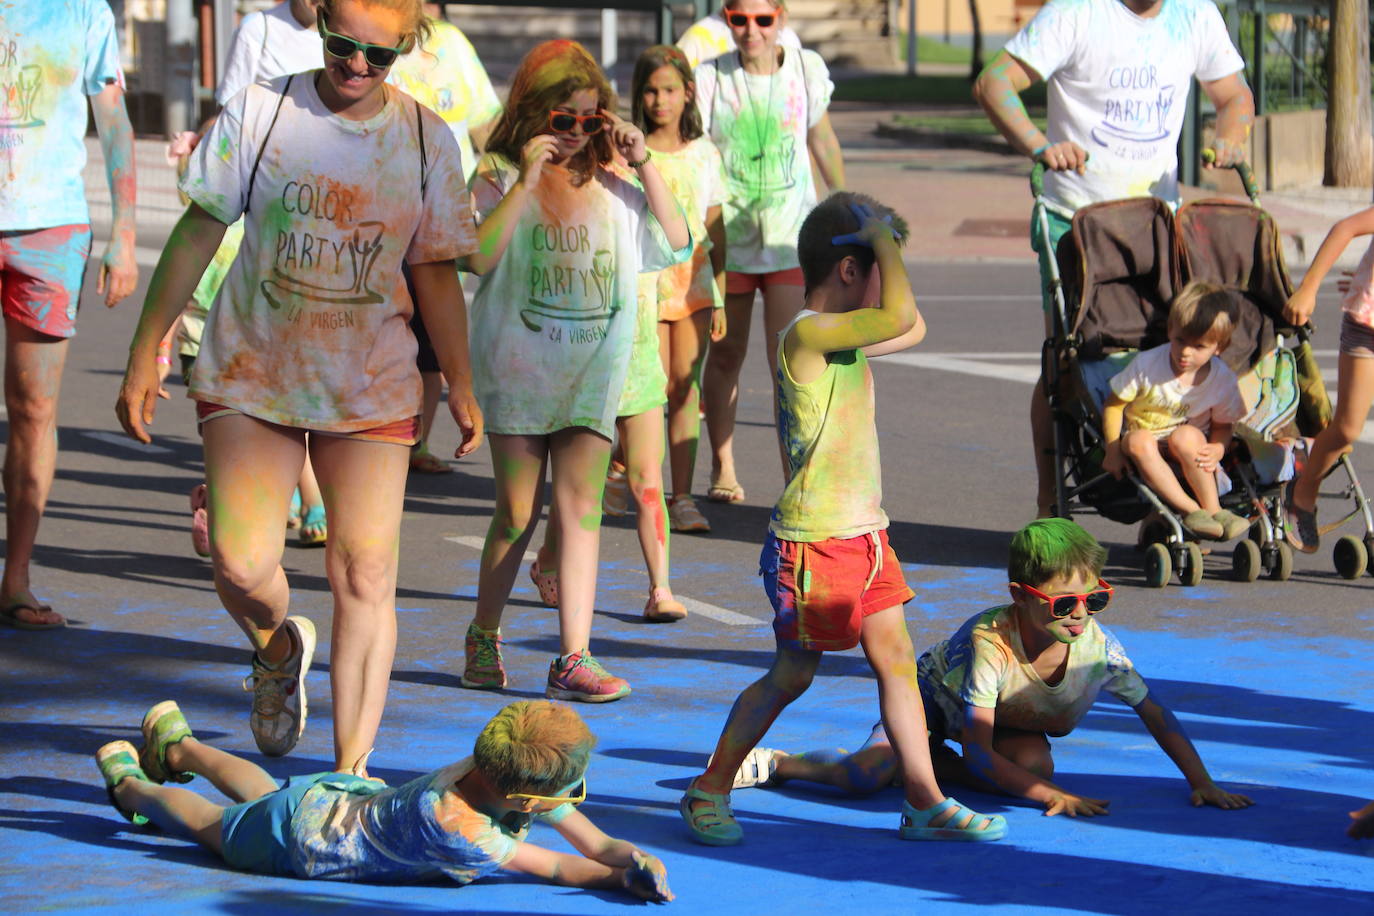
x=1247 y=175
x=1037 y=179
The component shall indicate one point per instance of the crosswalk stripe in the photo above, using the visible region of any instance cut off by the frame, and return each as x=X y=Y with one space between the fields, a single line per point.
x=700 y=608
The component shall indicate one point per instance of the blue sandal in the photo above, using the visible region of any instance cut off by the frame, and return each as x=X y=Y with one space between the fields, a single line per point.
x=979 y=828
x=713 y=823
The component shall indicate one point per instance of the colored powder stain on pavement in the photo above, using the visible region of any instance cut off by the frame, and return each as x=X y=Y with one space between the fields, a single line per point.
x=1286 y=722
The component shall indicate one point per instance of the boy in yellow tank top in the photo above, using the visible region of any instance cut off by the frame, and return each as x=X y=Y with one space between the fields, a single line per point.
x=828 y=570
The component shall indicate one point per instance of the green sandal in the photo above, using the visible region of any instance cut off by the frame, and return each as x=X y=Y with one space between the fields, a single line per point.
x=980 y=828
x=118 y=761
x=712 y=823
x=163 y=726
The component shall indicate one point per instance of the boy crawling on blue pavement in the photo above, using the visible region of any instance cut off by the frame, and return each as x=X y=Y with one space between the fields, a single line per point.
x=1010 y=679
x=465 y=820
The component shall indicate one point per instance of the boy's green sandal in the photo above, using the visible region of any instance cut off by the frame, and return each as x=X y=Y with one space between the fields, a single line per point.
x=978 y=827
x=713 y=823
x=118 y=761
x=163 y=726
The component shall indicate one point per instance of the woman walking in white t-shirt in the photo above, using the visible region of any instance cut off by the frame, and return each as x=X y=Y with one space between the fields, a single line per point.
x=311 y=333
x=764 y=107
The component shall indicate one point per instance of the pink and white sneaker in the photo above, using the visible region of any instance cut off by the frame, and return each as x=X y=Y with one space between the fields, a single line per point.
x=582 y=678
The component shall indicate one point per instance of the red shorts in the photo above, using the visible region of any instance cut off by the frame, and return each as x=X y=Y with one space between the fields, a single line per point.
x=399 y=432
x=736 y=282
x=41 y=274
x=821 y=591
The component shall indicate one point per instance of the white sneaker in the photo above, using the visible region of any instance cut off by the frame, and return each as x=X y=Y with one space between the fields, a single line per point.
x=279 y=706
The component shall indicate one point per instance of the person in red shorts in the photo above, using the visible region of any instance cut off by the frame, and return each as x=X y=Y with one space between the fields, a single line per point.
x=829 y=572
x=53 y=57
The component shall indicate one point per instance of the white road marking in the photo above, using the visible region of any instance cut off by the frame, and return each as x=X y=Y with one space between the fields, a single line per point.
x=124 y=441
x=950 y=363
x=693 y=606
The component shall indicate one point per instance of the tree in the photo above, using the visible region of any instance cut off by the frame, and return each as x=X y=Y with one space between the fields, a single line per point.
x=977 y=62
x=1349 y=146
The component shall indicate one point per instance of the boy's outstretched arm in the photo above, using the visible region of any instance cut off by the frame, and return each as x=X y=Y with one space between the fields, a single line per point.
x=1012 y=778
x=1168 y=734
x=605 y=862
x=1304 y=299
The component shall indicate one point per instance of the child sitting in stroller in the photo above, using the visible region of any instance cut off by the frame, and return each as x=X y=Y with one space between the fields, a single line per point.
x=1179 y=402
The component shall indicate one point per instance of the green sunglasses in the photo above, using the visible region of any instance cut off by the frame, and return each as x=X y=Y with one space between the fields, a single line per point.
x=343 y=47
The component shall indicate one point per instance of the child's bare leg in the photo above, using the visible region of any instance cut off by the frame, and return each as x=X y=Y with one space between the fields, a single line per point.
x=1144 y=451
x=240 y=779
x=754 y=712
x=720 y=386
x=887 y=645
x=174 y=809
x=683 y=344
x=579 y=458
x=1354 y=395
x=1184 y=443
x=642 y=438
x=862 y=773
x=518 y=466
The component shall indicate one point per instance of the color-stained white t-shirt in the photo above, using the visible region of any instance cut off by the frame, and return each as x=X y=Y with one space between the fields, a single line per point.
x=1157 y=402
x=445 y=74
x=696 y=176
x=1118 y=87
x=984 y=664
x=266 y=45
x=310 y=328
x=710 y=37
x=553 y=321
x=53 y=54
x=760 y=124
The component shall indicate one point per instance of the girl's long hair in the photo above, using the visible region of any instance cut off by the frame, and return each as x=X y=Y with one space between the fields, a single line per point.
x=649 y=63
x=548 y=76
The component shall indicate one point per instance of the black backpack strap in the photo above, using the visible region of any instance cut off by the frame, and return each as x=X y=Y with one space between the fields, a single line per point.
x=253 y=175
x=424 y=157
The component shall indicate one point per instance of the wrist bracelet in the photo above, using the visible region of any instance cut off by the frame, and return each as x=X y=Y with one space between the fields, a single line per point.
x=1035 y=153
x=164 y=360
x=640 y=164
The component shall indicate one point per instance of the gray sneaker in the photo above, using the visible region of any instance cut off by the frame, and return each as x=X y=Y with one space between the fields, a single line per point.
x=1299 y=524
x=279 y=706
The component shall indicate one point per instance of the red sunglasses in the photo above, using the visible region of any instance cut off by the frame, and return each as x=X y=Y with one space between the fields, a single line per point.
x=565 y=121
x=741 y=20
x=1062 y=605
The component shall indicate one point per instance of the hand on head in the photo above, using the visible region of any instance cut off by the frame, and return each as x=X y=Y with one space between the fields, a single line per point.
x=871 y=227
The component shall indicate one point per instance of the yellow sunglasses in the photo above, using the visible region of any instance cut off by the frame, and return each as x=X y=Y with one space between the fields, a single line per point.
x=575 y=797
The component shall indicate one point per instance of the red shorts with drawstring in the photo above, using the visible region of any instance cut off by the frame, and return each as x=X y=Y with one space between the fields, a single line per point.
x=821 y=591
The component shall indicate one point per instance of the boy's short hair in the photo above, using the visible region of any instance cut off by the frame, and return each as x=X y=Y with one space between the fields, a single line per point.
x=1050 y=548
x=534 y=746
x=832 y=217
x=1205 y=311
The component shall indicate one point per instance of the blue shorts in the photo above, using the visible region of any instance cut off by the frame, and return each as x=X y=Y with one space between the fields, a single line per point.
x=256 y=836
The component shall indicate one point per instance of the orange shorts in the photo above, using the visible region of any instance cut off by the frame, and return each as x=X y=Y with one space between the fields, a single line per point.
x=736 y=282
x=398 y=432
x=821 y=591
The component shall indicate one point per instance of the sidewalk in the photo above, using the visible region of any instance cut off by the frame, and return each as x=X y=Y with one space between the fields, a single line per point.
x=965 y=198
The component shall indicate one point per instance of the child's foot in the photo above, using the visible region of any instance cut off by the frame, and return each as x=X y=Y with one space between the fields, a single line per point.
x=423 y=461
x=663 y=607
x=581 y=677
x=279 y=706
x=163 y=726
x=684 y=515
x=709 y=818
x=1232 y=525
x=1200 y=523
x=314 y=527
x=725 y=490
x=1299 y=524
x=118 y=761
x=482 y=650
x=25 y=612
x=200 y=520
x=546 y=582
x=293 y=512
x=950 y=820
x=615 y=498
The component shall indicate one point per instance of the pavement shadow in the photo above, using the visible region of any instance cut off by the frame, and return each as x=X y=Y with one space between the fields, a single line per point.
x=833 y=665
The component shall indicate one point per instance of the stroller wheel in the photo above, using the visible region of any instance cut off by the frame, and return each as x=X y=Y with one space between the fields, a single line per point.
x=1280 y=565
x=1350 y=556
x=1245 y=561
x=1159 y=566
x=1190 y=567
